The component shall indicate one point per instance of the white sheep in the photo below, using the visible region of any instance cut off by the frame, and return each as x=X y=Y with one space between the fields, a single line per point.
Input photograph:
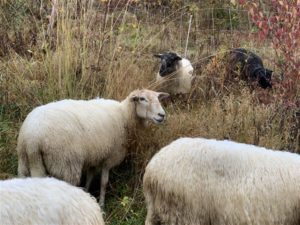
x=66 y=138
x=199 y=181
x=46 y=201
x=175 y=75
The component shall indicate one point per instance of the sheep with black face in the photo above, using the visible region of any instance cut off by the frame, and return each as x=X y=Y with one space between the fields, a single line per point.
x=251 y=67
x=175 y=75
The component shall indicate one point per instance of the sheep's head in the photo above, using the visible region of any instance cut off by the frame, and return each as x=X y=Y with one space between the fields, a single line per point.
x=264 y=78
x=168 y=63
x=269 y=74
x=148 y=106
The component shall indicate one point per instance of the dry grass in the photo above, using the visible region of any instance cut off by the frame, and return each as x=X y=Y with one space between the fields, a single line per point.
x=109 y=56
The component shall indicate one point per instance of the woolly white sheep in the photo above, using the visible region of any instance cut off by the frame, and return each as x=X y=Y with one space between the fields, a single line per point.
x=66 y=138
x=46 y=201
x=175 y=75
x=199 y=181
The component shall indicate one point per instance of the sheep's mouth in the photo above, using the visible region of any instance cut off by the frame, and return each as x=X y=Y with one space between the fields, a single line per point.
x=158 y=120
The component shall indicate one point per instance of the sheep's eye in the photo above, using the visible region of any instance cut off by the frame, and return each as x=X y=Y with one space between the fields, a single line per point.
x=143 y=99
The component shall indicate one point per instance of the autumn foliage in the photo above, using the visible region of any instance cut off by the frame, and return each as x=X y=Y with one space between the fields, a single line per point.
x=279 y=21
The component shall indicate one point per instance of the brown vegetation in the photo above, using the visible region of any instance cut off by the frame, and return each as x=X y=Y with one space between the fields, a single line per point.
x=108 y=52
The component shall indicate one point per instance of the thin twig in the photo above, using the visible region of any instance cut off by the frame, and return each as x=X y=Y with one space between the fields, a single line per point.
x=187 y=38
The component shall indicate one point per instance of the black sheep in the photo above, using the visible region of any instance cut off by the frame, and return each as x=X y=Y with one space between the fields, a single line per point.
x=251 y=67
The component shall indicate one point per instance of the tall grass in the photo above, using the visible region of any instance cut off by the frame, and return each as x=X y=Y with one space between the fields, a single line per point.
x=109 y=54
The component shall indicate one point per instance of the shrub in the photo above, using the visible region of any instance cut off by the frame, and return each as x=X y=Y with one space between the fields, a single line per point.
x=281 y=25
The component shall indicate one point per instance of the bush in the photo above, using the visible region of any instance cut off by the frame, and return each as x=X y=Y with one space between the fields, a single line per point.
x=281 y=25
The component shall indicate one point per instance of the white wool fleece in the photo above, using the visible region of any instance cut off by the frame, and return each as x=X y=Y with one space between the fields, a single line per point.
x=46 y=201
x=201 y=181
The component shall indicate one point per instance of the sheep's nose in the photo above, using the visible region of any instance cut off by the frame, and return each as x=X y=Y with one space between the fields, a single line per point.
x=161 y=115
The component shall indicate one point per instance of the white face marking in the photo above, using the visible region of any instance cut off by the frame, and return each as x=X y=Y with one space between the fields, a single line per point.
x=148 y=106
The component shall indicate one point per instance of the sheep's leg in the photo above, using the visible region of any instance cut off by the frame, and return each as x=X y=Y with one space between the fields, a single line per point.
x=23 y=164
x=151 y=218
x=36 y=164
x=104 y=181
x=89 y=177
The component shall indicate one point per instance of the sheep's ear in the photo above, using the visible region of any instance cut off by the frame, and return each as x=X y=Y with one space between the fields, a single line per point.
x=269 y=73
x=134 y=98
x=158 y=55
x=162 y=95
x=178 y=58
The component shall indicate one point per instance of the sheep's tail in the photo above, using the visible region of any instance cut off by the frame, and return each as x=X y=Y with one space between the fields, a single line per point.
x=30 y=160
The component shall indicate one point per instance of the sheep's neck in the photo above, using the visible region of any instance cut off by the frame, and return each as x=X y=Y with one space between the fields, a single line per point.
x=129 y=112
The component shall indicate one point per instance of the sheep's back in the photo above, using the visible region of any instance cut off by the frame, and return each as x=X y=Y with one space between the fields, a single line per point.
x=246 y=61
x=222 y=177
x=46 y=201
x=86 y=128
